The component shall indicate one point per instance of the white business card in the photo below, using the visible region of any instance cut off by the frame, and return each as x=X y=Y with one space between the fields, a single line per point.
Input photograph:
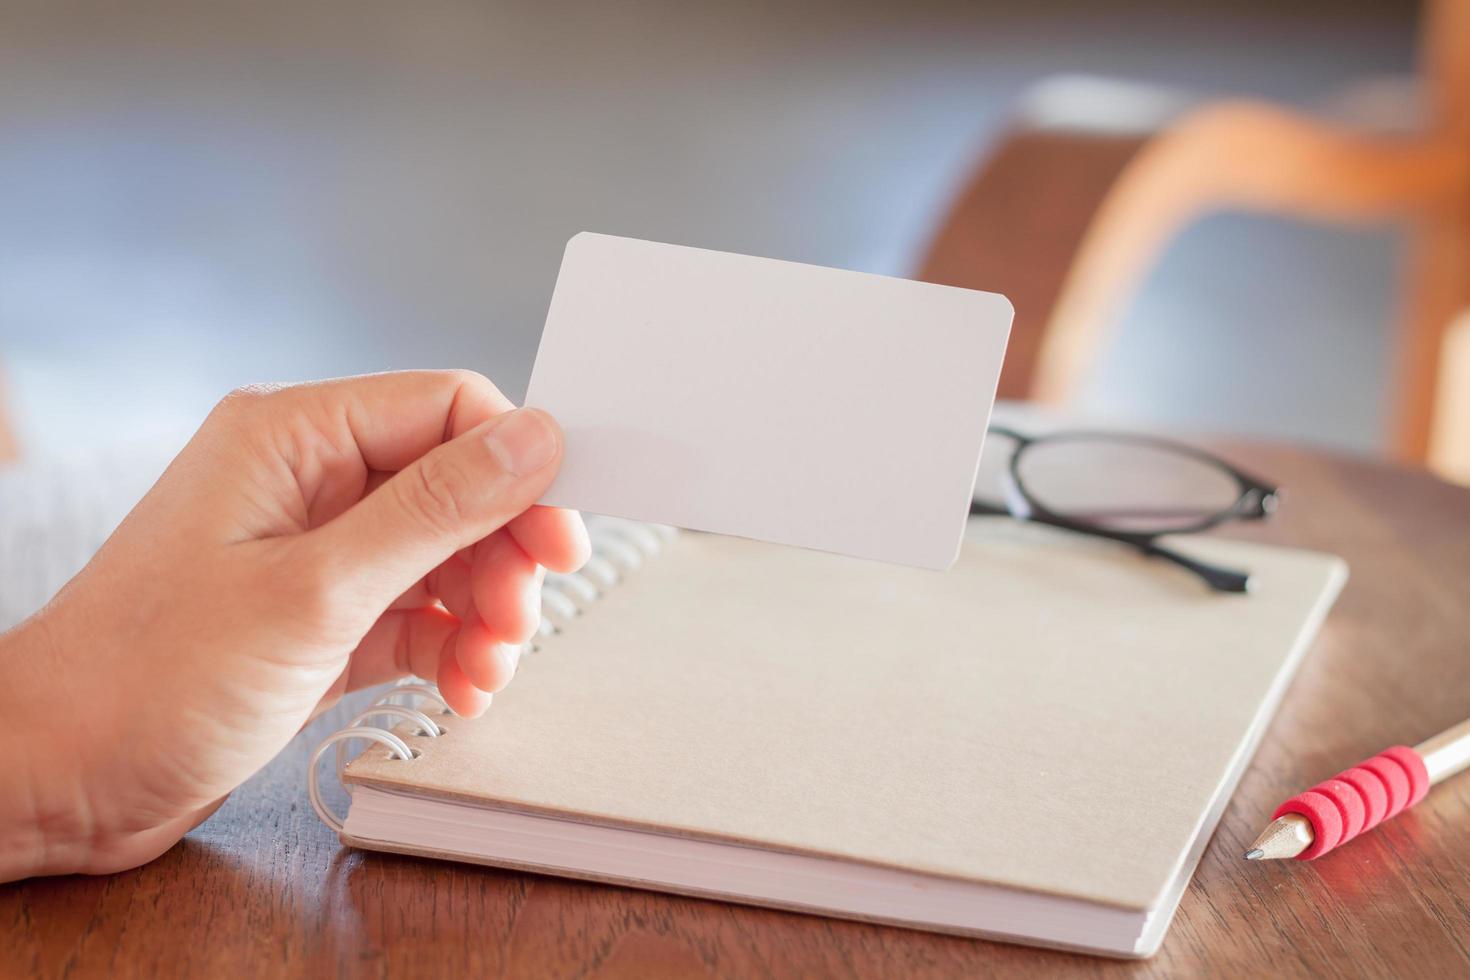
x=790 y=403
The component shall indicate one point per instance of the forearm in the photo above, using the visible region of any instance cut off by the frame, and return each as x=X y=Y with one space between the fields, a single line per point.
x=43 y=814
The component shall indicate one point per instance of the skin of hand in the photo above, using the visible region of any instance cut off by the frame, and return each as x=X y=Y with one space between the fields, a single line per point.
x=308 y=541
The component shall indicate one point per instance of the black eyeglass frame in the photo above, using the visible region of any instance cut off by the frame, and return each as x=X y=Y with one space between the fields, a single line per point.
x=1256 y=500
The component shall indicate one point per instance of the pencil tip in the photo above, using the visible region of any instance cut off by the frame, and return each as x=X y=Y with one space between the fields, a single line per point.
x=1287 y=837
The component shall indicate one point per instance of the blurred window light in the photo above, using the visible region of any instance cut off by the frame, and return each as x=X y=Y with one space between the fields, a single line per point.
x=1102 y=105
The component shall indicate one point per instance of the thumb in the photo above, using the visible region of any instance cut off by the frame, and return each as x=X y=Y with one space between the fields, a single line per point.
x=447 y=499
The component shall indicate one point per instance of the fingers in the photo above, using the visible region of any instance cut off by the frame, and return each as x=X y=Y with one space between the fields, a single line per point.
x=331 y=435
x=396 y=418
x=450 y=584
x=486 y=663
x=506 y=586
x=458 y=691
x=553 y=537
x=490 y=609
x=403 y=642
x=423 y=642
x=445 y=500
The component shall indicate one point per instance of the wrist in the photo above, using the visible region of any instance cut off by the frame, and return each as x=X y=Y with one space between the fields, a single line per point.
x=44 y=817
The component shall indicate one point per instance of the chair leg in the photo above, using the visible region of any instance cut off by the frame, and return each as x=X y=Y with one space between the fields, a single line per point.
x=1437 y=291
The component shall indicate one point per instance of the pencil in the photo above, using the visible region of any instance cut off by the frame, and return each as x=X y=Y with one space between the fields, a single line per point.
x=1334 y=812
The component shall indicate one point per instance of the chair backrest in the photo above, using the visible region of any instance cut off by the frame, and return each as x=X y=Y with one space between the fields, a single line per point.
x=1016 y=228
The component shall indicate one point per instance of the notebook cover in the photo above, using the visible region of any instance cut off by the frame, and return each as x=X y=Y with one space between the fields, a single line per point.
x=1052 y=714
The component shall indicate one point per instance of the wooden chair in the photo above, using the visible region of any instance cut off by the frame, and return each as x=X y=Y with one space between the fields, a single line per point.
x=1067 y=219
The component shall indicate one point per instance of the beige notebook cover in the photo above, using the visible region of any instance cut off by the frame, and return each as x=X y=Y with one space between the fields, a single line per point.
x=1055 y=724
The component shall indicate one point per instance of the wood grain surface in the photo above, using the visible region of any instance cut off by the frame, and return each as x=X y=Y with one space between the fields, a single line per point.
x=264 y=889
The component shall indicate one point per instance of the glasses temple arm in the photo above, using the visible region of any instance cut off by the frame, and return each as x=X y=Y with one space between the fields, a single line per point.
x=1217 y=577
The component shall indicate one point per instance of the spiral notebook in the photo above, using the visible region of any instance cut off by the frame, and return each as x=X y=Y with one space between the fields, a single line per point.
x=1034 y=746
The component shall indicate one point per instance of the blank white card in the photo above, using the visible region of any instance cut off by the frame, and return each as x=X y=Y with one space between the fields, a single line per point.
x=791 y=403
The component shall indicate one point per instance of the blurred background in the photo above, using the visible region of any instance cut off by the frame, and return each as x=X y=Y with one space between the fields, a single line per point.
x=196 y=196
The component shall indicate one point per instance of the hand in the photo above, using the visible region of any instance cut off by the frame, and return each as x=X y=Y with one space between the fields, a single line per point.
x=308 y=541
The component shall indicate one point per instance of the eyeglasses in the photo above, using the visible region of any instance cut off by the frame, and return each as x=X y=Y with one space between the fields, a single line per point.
x=1127 y=488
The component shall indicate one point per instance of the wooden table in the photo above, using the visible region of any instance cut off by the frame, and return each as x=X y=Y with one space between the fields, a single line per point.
x=264 y=889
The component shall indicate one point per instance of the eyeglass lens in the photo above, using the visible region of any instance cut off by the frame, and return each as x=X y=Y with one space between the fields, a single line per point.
x=1125 y=485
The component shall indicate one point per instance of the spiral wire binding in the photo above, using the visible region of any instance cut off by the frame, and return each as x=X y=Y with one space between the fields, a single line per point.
x=619 y=548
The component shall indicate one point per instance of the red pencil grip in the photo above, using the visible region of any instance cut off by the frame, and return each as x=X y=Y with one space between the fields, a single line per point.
x=1360 y=798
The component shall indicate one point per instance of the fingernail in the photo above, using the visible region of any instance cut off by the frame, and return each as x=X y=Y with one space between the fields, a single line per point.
x=522 y=441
